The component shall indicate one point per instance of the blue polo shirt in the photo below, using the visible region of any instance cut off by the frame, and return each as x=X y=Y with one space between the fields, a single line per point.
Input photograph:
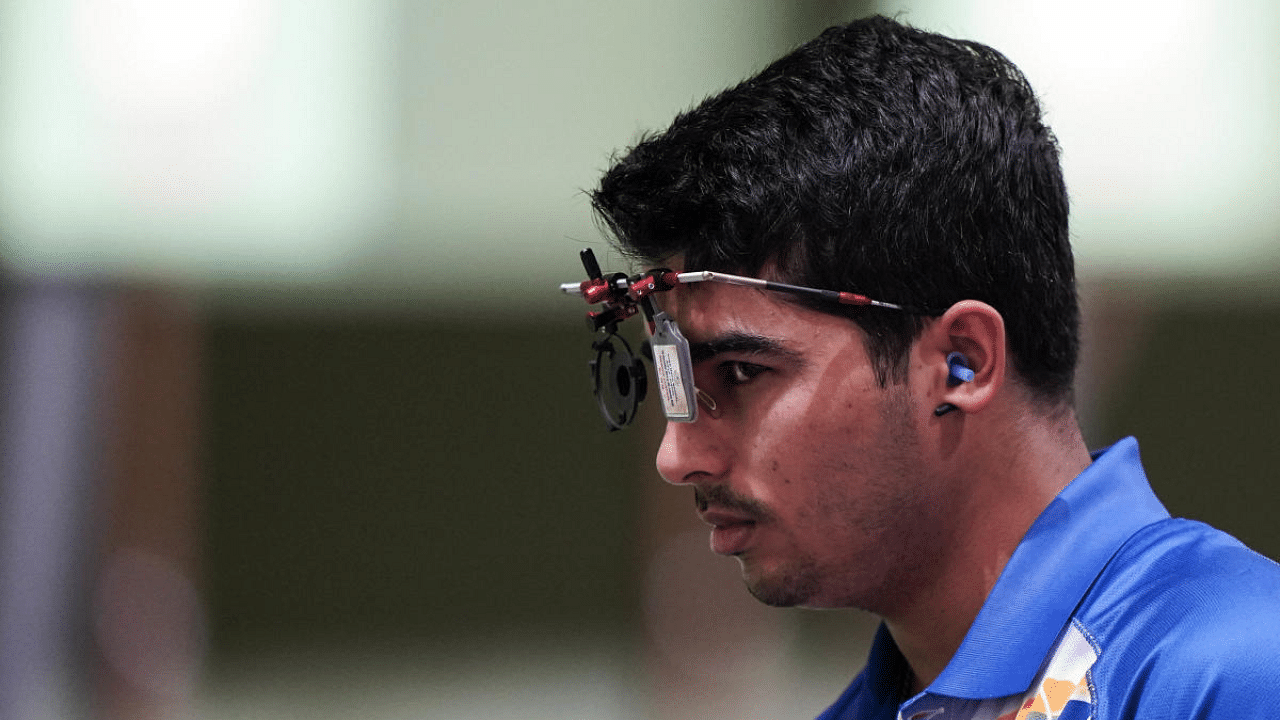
x=1109 y=608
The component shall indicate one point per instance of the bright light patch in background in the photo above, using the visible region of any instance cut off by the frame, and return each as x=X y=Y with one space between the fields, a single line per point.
x=155 y=60
x=1167 y=114
x=173 y=83
x=208 y=138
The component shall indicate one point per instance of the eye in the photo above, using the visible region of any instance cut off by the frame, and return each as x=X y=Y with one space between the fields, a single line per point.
x=737 y=372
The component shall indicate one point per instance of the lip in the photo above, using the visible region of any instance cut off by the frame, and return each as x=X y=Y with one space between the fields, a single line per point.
x=730 y=532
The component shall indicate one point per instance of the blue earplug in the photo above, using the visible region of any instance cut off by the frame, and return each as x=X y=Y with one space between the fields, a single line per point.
x=958 y=366
x=957 y=372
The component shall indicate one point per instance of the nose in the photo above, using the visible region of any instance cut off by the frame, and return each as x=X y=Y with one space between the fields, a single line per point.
x=692 y=451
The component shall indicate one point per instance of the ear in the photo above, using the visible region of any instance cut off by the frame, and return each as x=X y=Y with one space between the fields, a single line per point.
x=975 y=330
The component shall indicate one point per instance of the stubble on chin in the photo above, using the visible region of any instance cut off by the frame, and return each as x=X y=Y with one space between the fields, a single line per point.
x=788 y=587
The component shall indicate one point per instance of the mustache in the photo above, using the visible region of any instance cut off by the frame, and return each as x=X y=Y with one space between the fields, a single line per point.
x=723 y=497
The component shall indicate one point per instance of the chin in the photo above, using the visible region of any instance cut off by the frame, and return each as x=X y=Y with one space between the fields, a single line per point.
x=785 y=589
x=774 y=597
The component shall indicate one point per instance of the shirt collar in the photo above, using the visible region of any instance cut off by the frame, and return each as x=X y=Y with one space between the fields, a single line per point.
x=1057 y=561
x=1053 y=567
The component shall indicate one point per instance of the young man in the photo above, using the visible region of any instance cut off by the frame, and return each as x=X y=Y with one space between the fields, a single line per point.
x=922 y=460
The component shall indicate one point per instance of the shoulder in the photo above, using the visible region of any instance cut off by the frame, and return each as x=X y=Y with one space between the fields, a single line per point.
x=1185 y=618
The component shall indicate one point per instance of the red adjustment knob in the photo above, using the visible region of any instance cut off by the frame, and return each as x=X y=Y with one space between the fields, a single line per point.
x=612 y=314
x=594 y=291
x=655 y=280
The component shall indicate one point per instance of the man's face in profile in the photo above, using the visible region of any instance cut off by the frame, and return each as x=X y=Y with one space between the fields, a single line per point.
x=808 y=471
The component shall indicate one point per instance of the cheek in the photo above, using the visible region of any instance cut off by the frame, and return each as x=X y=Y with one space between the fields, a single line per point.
x=848 y=460
x=799 y=456
x=813 y=437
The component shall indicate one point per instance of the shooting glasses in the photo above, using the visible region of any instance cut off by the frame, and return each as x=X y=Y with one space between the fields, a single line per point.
x=618 y=377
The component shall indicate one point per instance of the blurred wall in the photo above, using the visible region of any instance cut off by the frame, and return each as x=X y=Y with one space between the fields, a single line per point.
x=409 y=479
x=1199 y=395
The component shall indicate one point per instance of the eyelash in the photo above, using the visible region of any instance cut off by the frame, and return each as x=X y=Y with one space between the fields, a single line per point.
x=738 y=372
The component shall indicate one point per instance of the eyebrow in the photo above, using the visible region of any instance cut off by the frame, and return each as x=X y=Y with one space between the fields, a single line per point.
x=737 y=343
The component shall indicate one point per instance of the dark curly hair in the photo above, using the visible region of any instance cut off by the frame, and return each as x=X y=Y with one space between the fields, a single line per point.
x=879 y=159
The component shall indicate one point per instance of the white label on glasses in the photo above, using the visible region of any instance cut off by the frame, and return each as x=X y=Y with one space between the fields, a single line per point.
x=666 y=364
x=675 y=372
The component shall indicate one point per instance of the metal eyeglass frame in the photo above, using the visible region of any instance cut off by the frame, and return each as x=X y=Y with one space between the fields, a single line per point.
x=619 y=381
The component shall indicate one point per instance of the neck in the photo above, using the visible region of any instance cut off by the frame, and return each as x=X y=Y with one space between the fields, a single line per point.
x=998 y=485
